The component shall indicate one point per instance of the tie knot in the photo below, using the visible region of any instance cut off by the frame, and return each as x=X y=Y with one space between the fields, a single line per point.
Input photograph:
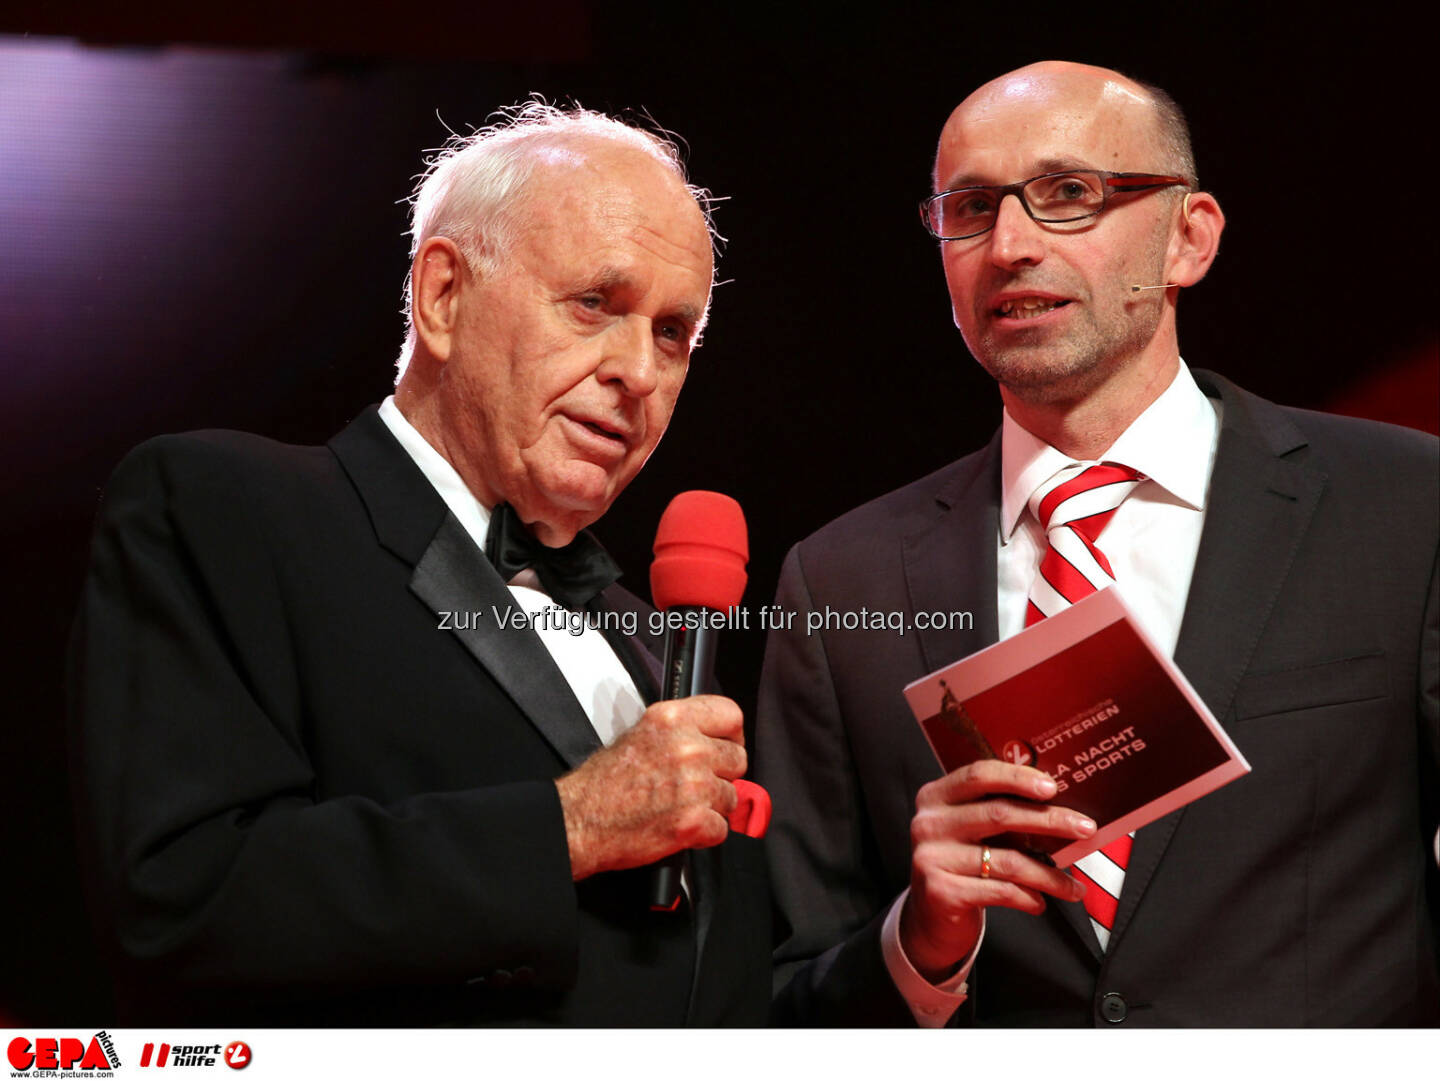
x=1080 y=491
x=572 y=575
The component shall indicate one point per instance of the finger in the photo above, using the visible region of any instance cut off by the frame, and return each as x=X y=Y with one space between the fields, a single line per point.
x=1010 y=865
x=999 y=893
x=708 y=828
x=1007 y=868
x=992 y=817
x=953 y=859
x=726 y=799
x=728 y=760
x=716 y=716
x=937 y=895
x=989 y=777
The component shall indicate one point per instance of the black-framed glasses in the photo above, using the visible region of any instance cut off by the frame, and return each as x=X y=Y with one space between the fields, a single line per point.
x=1052 y=198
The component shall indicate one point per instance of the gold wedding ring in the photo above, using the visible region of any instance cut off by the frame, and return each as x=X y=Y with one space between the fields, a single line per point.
x=985 y=862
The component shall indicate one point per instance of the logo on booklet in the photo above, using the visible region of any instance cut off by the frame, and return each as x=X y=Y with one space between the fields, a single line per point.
x=1019 y=752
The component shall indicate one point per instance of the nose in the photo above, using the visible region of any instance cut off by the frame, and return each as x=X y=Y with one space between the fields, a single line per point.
x=630 y=358
x=1016 y=239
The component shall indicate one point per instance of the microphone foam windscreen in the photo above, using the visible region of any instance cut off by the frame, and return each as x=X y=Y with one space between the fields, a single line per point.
x=701 y=548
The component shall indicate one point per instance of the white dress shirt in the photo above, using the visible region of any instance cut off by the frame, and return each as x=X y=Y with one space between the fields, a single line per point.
x=1151 y=543
x=600 y=682
x=1154 y=535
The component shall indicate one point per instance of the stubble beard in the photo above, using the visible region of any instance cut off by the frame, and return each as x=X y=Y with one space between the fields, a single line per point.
x=1046 y=366
x=1063 y=368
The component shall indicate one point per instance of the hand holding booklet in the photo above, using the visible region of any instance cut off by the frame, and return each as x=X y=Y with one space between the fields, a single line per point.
x=1088 y=698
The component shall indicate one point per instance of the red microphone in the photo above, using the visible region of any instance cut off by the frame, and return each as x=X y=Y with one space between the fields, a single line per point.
x=701 y=548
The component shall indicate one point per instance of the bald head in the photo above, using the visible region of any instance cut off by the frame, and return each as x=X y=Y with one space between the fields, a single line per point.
x=1076 y=96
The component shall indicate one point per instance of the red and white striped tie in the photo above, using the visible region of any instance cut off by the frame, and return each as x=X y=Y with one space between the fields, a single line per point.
x=1073 y=508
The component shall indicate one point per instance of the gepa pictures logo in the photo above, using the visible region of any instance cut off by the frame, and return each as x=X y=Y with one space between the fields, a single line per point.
x=97 y=1058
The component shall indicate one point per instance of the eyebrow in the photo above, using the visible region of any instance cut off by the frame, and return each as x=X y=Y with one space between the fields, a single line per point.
x=689 y=315
x=1046 y=165
x=613 y=278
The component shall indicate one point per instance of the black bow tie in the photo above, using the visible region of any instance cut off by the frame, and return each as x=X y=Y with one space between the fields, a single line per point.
x=572 y=575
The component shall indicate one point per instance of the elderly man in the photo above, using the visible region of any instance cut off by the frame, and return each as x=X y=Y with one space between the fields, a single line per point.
x=1286 y=559
x=338 y=768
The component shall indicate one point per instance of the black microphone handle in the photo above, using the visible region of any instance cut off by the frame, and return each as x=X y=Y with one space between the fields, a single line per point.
x=689 y=670
x=689 y=655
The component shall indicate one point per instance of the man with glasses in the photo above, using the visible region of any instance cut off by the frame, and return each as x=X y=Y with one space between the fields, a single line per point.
x=1287 y=560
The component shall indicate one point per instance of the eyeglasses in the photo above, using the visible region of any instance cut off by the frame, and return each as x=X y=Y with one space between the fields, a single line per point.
x=1052 y=199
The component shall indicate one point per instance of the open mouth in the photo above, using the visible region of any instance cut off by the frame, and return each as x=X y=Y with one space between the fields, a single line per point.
x=606 y=433
x=1028 y=307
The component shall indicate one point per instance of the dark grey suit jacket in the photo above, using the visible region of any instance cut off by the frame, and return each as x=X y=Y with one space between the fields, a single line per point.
x=1302 y=894
x=301 y=801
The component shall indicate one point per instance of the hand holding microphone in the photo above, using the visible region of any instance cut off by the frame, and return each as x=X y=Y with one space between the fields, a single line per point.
x=670 y=782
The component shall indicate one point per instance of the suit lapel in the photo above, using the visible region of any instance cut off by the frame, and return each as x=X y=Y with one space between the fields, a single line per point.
x=1261 y=502
x=950 y=563
x=451 y=576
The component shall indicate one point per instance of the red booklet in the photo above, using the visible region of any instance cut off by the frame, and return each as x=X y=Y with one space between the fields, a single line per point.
x=1087 y=697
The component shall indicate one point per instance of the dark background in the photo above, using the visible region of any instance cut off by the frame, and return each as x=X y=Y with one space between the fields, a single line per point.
x=201 y=219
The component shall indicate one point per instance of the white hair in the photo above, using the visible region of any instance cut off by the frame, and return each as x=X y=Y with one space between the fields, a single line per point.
x=470 y=191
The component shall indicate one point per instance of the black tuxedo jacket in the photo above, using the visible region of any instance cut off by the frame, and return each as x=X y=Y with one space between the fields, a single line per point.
x=1297 y=895
x=303 y=801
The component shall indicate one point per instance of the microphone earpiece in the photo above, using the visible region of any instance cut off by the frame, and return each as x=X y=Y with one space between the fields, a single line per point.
x=1184 y=213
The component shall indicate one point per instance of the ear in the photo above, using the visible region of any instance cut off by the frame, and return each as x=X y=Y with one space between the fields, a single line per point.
x=437 y=278
x=1197 y=239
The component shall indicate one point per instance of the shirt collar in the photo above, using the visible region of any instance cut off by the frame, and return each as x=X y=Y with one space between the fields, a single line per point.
x=471 y=513
x=1169 y=442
